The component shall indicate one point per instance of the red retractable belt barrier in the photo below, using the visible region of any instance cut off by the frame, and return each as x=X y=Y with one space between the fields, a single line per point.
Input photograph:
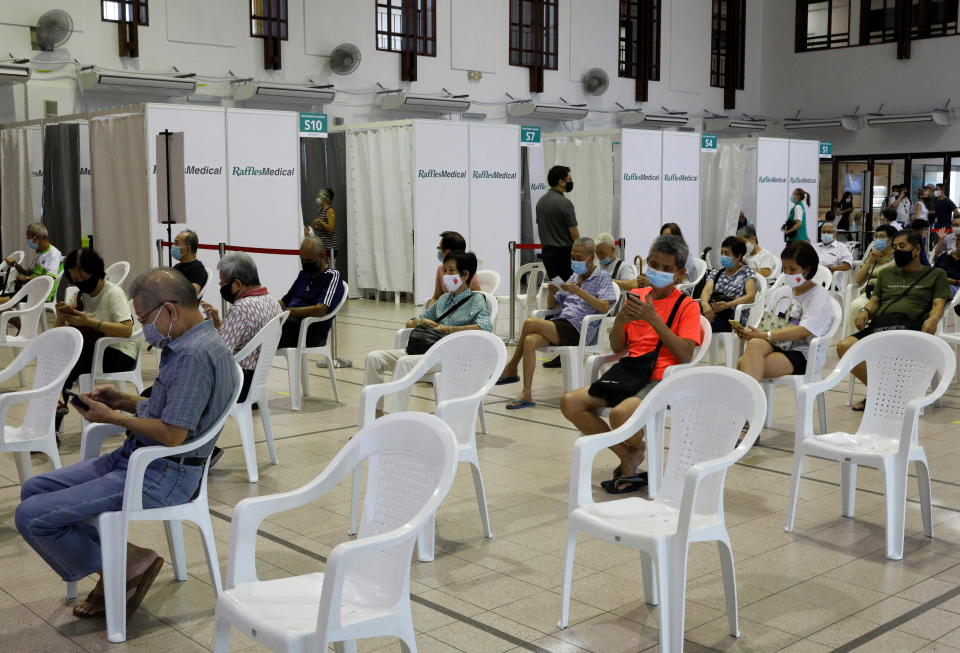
x=618 y=243
x=239 y=248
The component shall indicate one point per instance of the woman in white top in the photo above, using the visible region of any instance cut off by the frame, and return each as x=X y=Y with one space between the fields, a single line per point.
x=807 y=308
x=920 y=210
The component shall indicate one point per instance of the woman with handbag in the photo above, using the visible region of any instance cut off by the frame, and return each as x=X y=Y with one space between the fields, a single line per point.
x=657 y=327
x=728 y=287
x=794 y=315
x=458 y=309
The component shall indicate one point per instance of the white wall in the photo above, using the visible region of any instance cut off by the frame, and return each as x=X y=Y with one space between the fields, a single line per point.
x=472 y=35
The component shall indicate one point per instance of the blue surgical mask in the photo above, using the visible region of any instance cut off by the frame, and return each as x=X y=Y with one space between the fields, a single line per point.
x=880 y=244
x=606 y=261
x=826 y=238
x=175 y=252
x=659 y=279
x=153 y=336
x=31 y=244
x=579 y=267
x=440 y=256
x=726 y=261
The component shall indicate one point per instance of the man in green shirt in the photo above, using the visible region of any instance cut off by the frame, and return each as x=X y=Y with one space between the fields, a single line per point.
x=907 y=296
x=47 y=261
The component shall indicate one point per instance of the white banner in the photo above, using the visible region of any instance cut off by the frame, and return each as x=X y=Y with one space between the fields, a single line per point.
x=494 y=190
x=263 y=183
x=441 y=194
x=773 y=191
x=86 y=182
x=35 y=156
x=681 y=185
x=640 y=189
x=205 y=182
x=538 y=185
x=805 y=174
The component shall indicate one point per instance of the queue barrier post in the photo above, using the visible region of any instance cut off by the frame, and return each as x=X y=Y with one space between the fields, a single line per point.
x=222 y=250
x=159 y=251
x=512 y=249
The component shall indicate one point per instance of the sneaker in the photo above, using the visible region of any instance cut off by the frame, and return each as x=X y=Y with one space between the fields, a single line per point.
x=555 y=363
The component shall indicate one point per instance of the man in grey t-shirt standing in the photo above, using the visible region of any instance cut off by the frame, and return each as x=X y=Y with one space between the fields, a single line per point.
x=557 y=223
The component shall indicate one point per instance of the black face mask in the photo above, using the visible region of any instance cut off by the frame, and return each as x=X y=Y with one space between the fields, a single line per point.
x=86 y=286
x=310 y=267
x=227 y=294
x=902 y=257
x=568 y=187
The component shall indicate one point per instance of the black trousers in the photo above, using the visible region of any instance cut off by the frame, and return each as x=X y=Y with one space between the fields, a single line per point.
x=556 y=260
x=113 y=361
x=316 y=334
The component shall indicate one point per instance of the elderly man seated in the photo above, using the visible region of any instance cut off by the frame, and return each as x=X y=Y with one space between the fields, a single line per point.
x=316 y=291
x=195 y=384
x=460 y=308
x=588 y=291
x=48 y=260
x=623 y=274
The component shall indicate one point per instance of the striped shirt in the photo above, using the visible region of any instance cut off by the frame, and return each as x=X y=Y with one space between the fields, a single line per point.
x=244 y=320
x=308 y=290
x=474 y=310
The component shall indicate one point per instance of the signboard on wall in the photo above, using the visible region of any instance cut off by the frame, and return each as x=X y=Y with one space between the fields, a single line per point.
x=641 y=153
x=681 y=185
x=773 y=190
x=530 y=137
x=805 y=173
x=313 y=125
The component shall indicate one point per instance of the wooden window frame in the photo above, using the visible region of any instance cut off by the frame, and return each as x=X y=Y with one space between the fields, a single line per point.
x=268 y=21
x=639 y=58
x=138 y=9
x=424 y=15
x=543 y=51
x=910 y=22
x=832 y=40
x=720 y=30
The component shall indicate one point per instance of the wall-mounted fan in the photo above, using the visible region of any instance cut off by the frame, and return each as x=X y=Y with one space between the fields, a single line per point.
x=595 y=81
x=345 y=58
x=53 y=30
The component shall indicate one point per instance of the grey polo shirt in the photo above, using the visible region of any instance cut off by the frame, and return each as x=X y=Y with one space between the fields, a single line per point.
x=555 y=216
x=194 y=386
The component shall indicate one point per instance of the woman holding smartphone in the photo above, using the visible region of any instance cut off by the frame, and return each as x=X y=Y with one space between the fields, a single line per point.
x=728 y=287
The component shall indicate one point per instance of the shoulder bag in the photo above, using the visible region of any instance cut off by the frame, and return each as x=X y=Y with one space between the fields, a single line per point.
x=424 y=337
x=894 y=321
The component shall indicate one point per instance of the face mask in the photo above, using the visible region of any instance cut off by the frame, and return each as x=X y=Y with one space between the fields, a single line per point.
x=568 y=187
x=658 y=278
x=880 y=244
x=318 y=201
x=440 y=256
x=726 y=261
x=937 y=193
x=31 y=244
x=87 y=286
x=226 y=293
x=956 y=230
x=826 y=239
x=579 y=267
x=153 y=336
x=175 y=252
x=310 y=267
x=794 y=280
x=901 y=257
x=606 y=261
x=452 y=282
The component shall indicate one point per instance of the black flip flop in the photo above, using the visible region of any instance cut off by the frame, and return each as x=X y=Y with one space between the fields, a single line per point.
x=145 y=581
x=506 y=380
x=633 y=483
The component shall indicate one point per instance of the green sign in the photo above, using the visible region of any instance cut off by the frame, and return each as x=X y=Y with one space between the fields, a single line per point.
x=708 y=143
x=826 y=150
x=529 y=136
x=313 y=125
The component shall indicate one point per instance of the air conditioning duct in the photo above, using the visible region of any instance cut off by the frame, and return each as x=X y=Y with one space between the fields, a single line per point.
x=108 y=82
x=723 y=124
x=537 y=111
x=13 y=74
x=423 y=103
x=851 y=123
x=644 y=119
x=940 y=117
x=282 y=93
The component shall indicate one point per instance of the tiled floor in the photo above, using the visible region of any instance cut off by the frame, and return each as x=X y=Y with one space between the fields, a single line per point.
x=826 y=586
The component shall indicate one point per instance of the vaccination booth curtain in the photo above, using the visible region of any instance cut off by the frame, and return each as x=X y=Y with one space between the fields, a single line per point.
x=61 y=185
x=380 y=211
x=16 y=199
x=323 y=164
x=590 y=159
x=721 y=193
x=120 y=196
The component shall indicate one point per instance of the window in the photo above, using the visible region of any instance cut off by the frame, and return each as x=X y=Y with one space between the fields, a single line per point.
x=391 y=29
x=728 y=40
x=534 y=33
x=822 y=24
x=880 y=19
x=640 y=38
x=124 y=11
x=268 y=19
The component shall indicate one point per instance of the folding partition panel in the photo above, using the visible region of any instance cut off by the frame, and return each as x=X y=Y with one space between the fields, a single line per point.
x=773 y=190
x=640 y=189
x=804 y=171
x=681 y=185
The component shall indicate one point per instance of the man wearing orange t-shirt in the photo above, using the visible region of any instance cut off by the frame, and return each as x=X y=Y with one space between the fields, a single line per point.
x=640 y=326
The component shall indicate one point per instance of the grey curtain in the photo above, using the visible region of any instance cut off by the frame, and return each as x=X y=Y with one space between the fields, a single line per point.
x=323 y=164
x=16 y=202
x=61 y=185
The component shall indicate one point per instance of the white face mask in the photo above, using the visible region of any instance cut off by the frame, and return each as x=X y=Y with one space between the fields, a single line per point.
x=794 y=280
x=937 y=193
x=956 y=230
x=452 y=282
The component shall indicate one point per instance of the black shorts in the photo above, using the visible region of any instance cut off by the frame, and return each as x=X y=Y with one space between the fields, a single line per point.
x=569 y=336
x=860 y=335
x=557 y=261
x=797 y=359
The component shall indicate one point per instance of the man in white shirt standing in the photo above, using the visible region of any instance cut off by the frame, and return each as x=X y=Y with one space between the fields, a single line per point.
x=760 y=260
x=900 y=202
x=834 y=255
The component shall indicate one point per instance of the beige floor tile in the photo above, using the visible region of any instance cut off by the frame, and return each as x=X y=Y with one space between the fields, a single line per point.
x=542 y=611
x=610 y=634
x=753 y=636
x=469 y=638
x=932 y=624
x=490 y=590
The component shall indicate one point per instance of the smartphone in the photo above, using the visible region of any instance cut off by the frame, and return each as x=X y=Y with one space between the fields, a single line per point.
x=735 y=324
x=76 y=400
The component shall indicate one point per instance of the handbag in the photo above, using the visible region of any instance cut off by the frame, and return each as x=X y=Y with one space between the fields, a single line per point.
x=630 y=374
x=774 y=319
x=423 y=338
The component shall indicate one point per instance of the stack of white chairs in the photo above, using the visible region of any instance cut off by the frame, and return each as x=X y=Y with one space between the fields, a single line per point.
x=33 y=296
x=527 y=302
x=117 y=273
x=9 y=273
x=489 y=281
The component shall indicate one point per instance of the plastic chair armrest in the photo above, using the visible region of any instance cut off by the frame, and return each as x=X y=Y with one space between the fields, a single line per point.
x=372 y=394
x=401 y=338
x=586 y=448
x=585 y=328
x=17 y=296
x=94 y=435
x=17 y=365
x=100 y=348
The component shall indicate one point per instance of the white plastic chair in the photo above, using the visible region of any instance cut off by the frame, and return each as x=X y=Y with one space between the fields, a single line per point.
x=267 y=340
x=654 y=431
x=116 y=273
x=708 y=409
x=900 y=366
x=470 y=363
x=731 y=342
x=297 y=373
x=402 y=337
x=34 y=295
x=51 y=306
x=87 y=382
x=365 y=589
x=701 y=269
x=572 y=357
x=55 y=352
x=18 y=257
x=775 y=272
x=489 y=281
x=113 y=526
x=213 y=281
x=815 y=362
x=526 y=302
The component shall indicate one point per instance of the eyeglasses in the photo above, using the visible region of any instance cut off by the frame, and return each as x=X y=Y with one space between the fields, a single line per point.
x=143 y=318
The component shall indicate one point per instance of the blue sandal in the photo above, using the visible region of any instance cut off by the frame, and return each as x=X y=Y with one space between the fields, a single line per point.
x=517 y=404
